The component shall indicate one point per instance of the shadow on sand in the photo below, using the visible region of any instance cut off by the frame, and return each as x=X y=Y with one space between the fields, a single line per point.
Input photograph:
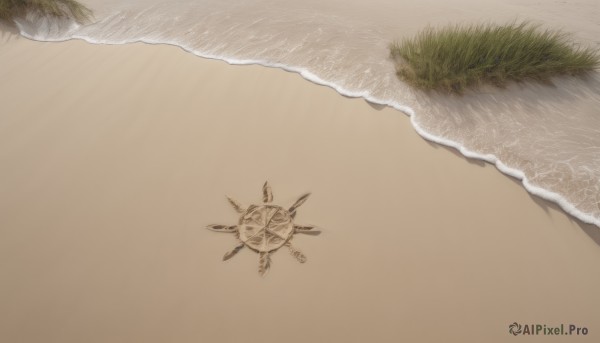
x=535 y=102
x=591 y=230
x=375 y=106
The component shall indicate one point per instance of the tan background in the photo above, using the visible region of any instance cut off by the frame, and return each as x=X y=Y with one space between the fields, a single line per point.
x=114 y=158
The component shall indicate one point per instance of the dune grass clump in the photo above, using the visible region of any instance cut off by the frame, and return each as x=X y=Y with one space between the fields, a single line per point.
x=456 y=57
x=11 y=9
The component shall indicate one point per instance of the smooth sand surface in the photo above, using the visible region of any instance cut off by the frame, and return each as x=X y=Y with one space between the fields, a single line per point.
x=114 y=158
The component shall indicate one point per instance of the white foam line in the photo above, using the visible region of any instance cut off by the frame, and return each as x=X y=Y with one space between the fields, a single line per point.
x=490 y=158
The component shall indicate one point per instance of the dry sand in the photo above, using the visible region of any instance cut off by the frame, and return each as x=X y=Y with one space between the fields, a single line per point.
x=114 y=158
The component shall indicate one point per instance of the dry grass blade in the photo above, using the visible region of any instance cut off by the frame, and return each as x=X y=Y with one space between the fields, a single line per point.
x=236 y=205
x=264 y=263
x=298 y=203
x=12 y=9
x=233 y=252
x=222 y=228
x=307 y=229
x=267 y=193
x=296 y=253
x=301 y=228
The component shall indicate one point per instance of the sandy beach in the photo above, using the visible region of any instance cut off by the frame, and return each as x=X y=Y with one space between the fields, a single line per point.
x=113 y=159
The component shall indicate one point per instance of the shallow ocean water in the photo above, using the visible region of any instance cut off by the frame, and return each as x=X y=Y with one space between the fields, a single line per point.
x=546 y=135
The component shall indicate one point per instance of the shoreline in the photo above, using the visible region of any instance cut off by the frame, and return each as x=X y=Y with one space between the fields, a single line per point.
x=121 y=154
x=543 y=193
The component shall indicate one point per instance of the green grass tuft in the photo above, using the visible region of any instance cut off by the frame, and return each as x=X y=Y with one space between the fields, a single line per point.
x=11 y=9
x=456 y=57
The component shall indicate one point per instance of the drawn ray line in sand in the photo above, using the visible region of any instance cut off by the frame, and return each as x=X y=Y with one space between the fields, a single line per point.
x=265 y=228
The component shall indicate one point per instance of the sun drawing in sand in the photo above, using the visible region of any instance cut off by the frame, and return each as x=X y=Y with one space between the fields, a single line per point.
x=265 y=228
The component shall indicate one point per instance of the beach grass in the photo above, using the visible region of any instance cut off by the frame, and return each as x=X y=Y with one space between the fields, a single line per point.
x=11 y=9
x=456 y=57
